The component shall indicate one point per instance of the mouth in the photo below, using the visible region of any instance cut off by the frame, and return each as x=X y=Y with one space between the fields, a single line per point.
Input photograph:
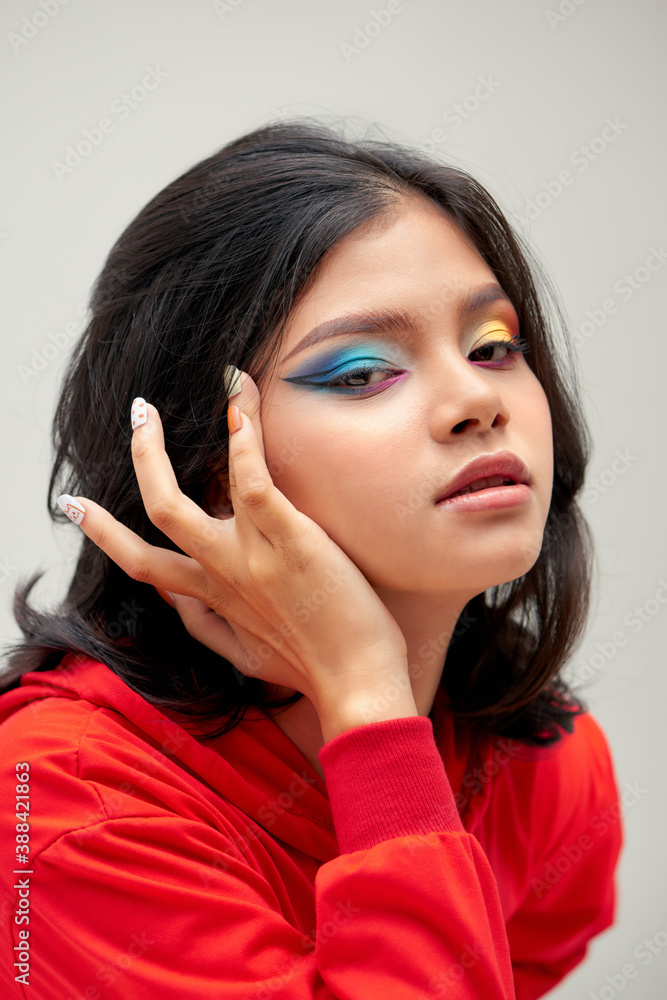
x=482 y=484
x=494 y=471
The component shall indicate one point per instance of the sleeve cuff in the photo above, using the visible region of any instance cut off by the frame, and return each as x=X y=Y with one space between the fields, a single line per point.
x=385 y=780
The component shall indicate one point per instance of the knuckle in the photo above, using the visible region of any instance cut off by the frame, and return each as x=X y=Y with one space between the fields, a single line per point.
x=105 y=536
x=211 y=531
x=139 y=568
x=258 y=570
x=139 y=447
x=253 y=493
x=162 y=513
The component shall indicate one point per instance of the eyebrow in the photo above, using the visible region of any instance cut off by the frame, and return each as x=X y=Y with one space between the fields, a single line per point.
x=395 y=320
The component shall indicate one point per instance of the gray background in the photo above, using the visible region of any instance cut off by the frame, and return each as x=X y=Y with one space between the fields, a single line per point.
x=553 y=80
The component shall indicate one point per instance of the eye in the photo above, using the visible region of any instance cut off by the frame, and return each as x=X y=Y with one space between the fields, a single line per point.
x=353 y=382
x=355 y=377
x=512 y=347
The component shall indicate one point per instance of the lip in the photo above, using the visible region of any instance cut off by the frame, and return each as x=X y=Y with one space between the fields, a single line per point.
x=497 y=463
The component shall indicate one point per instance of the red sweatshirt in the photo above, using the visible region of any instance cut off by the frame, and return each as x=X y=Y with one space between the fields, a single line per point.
x=159 y=867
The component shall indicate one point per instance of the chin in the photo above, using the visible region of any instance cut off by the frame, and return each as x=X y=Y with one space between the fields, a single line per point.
x=512 y=569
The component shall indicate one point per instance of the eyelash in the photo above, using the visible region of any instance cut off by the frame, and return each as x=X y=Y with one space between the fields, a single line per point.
x=517 y=345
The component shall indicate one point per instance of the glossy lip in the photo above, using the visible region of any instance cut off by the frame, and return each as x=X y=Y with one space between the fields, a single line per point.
x=491 y=498
x=496 y=463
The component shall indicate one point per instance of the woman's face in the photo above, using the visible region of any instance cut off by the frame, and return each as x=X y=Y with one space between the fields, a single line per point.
x=367 y=464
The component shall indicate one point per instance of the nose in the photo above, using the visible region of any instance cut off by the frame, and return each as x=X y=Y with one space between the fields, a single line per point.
x=473 y=402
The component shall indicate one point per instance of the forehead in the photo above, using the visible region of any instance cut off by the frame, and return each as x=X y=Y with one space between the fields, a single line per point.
x=411 y=223
x=414 y=257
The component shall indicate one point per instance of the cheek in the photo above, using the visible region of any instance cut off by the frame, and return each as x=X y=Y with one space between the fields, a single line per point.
x=331 y=471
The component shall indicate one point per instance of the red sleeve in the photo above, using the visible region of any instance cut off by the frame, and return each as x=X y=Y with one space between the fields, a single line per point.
x=572 y=891
x=409 y=910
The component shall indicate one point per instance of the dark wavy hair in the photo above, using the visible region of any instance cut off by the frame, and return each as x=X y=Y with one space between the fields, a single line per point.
x=206 y=276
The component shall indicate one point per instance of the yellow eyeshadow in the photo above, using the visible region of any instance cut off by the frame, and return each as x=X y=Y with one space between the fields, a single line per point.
x=498 y=329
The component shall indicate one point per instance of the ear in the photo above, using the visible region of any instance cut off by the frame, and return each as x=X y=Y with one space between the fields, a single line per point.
x=216 y=496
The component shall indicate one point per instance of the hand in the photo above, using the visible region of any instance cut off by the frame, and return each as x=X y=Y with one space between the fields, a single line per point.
x=245 y=588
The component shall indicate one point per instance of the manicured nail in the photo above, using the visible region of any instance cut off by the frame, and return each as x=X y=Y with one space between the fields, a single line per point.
x=139 y=412
x=73 y=508
x=234 y=419
x=232 y=380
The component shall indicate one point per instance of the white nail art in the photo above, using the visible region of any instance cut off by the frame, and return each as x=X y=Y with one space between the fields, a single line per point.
x=139 y=412
x=233 y=383
x=73 y=508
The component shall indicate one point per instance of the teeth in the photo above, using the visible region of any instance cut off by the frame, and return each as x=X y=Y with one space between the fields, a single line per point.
x=482 y=484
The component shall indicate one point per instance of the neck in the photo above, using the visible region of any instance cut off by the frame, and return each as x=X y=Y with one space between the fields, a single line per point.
x=427 y=627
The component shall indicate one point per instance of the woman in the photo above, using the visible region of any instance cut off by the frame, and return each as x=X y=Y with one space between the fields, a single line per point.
x=334 y=757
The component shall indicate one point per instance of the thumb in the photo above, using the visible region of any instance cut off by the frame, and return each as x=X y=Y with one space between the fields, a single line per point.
x=245 y=395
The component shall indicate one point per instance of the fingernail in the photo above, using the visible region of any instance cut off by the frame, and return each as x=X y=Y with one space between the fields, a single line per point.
x=232 y=380
x=73 y=508
x=139 y=412
x=234 y=419
x=167 y=596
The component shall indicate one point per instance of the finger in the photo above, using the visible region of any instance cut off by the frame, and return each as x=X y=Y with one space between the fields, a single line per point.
x=166 y=596
x=258 y=504
x=141 y=561
x=169 y=509
x=284 y=522
x=245 y=395
x=207 y=627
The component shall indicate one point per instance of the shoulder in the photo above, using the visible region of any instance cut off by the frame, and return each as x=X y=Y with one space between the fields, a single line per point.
x=565 y=787
x=580 y=755
x=87 y=765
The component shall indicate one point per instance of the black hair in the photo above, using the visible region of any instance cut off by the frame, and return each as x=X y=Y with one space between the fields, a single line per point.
x=206 y=276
